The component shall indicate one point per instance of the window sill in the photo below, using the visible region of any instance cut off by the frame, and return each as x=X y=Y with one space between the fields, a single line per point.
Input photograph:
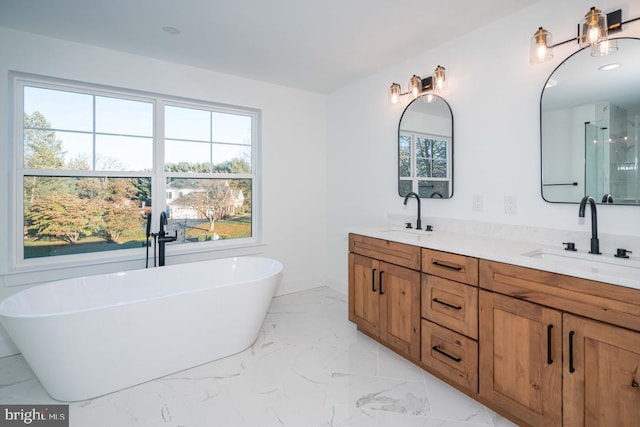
x=99 y=264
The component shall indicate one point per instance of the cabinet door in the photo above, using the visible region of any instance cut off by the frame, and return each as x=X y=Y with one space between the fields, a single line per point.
x=601 y=374
x=400 y=309
x=364 y=298
x=520 y=359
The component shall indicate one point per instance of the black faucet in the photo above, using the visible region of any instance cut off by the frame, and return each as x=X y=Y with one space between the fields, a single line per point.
x=163 y=238
x=419 y=222
x=595 y=243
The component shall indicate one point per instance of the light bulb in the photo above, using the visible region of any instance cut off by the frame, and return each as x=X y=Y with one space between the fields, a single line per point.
x=439 y=79
x=541 y=46
x=394 y=93
x=415 y=86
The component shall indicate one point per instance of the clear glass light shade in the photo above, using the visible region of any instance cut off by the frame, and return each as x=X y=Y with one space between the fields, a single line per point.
x=394 y=93
x=541 y=46
x=594 y=28
x=604 y=48
x=415 y=87
x=439 y=79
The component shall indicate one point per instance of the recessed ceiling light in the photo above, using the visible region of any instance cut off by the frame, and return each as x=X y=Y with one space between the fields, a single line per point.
x=171 y=30
x=609 y=67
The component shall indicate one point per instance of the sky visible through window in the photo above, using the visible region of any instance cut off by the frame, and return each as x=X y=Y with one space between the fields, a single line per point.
x=124 y=130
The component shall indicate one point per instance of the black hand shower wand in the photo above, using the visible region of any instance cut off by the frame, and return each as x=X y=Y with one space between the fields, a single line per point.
x=146 y=265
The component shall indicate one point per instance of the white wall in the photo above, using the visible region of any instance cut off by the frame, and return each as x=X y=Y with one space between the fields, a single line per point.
x=494 y=94
x=293 y=141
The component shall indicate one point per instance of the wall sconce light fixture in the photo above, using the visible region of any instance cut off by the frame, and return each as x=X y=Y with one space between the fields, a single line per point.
x=594 y=31
x=417 y=86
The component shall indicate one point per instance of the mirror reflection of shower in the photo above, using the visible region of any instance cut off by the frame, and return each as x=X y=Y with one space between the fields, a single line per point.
x=612 y=153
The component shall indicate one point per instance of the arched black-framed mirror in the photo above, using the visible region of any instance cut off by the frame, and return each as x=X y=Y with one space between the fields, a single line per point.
x=425 y=148
x=590 y=127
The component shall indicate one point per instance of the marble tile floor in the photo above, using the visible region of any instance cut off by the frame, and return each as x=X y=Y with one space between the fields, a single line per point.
x=308 y=367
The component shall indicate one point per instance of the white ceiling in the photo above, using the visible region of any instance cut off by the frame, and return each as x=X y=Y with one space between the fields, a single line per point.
x=315 y=45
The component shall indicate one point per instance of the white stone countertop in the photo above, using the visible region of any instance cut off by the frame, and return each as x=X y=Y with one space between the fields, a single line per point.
x=602 y=268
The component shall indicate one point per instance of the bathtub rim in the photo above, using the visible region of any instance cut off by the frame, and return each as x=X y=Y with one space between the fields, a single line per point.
x=278 y=271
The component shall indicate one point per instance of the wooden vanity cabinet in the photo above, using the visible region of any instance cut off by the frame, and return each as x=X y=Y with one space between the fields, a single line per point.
x=540 y=348
x=384 y=298
x=543 y=363
x=450 y=318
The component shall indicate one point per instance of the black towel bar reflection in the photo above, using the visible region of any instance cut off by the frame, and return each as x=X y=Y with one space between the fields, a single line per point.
x=575 y=184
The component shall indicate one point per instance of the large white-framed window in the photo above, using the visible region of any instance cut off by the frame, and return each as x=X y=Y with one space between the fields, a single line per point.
x=92 y=162
x=424 y=164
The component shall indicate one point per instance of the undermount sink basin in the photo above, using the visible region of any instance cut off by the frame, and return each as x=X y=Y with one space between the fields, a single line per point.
x=603 y=264
x=405 y=233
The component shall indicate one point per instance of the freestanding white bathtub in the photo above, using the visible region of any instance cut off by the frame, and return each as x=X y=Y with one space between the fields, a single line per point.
x=90 y=336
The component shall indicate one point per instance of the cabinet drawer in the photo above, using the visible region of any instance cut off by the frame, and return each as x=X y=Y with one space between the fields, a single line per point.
x=450 y=304
x=384 y=250
x=451 y=355
x=450 y=266
x=610 y=303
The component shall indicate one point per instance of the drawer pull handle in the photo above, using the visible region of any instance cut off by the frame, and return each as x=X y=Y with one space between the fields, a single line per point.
x=549 y=356
x=446 y=304
x=437 y=349
x=571 y=367
x=449 y=267
x=373 y=280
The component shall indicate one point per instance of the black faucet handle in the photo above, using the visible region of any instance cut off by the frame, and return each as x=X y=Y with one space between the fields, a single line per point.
x=408 y=225
x=570 y=246
x=428 y=228
x=622 y=253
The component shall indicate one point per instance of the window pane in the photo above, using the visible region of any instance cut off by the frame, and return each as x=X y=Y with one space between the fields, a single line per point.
x=423 y=167
x=405 y=156
x=56 y=109
x=123 y=116
x=187 y=123
x=120 y=153
x=183 y=156
x=209 y=209
x=231 y=128
x=405 y=187
x=232 y=158
x=45 y=149
x=423 y=154
x=439 y=150
x=435 y=189
x=439 y=169
x=78 y=150
x=65 y=216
